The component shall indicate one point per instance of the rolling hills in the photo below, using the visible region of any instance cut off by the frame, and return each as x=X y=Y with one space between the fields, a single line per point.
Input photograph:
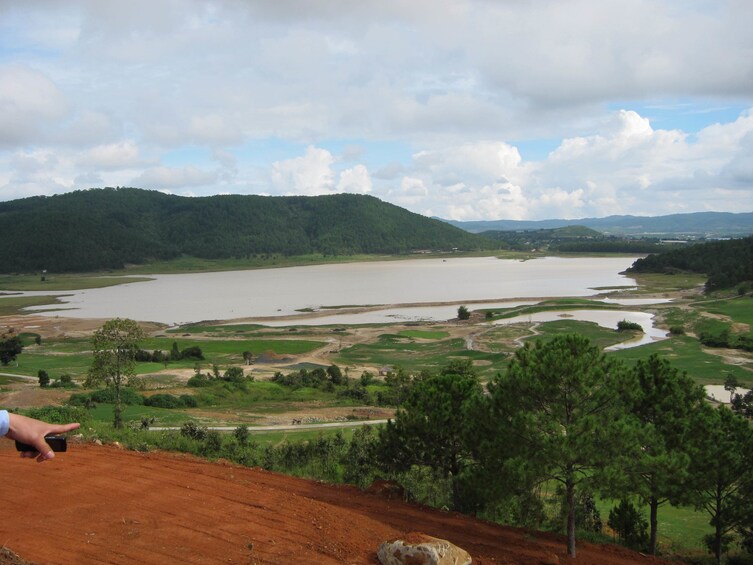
x=699 y=224
x=108 y=228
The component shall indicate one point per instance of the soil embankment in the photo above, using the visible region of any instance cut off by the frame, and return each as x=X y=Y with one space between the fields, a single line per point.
x=104 y=505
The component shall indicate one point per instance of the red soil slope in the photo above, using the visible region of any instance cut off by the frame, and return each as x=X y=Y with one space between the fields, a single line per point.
x=103 y=505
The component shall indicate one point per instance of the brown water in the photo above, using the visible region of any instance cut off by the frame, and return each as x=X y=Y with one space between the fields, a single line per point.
x=195 y=297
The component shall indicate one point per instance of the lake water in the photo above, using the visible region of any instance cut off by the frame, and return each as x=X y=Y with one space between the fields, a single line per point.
x=272 y=293
x=604 y=318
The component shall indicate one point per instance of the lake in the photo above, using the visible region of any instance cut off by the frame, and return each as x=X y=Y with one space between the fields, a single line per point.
x=413 y=283
x=604 y=318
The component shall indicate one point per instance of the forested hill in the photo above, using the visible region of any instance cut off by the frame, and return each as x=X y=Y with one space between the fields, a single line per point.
x=727 y=263
x=108 y=228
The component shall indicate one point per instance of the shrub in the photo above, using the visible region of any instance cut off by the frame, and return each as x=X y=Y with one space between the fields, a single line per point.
x=234 y=375
x=357 y=392
x=106 y=396
x=171 y=401
x=629 y=525
x=367 y=378
x=463 y=313
x=65 y=381
x=59 y=414
x=709 y=540
x=163 y=401
x=241 y=434
x=44 y=378
x=193 y=352
x=624 y=325
x=188 y=401
x=199 y=380
x=193 y=431
x=676 y=330
x=212 y=442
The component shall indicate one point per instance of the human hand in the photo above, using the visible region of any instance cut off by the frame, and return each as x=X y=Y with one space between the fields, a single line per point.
x=32 y=432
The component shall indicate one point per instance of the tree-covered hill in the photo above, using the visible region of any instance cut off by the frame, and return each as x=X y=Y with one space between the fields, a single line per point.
x=109 y=228
x=727 y=263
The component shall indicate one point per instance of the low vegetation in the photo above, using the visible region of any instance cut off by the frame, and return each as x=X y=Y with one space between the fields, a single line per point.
x=450 y=444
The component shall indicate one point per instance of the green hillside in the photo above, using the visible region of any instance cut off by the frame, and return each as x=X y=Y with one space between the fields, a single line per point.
x=727 y=263
x=109 y=228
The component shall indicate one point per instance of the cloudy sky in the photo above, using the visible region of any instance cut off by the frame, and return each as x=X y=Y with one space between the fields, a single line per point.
x=462 y=109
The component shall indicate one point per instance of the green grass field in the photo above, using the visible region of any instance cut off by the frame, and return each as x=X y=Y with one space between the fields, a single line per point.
x=11 y=305
x=64 y=282
x=424 y=334
x=414 y=356
x=680 y=528
x=686 y=353
x=739 y=310
x=223 y=348
x=599 y=336
x=73 y=356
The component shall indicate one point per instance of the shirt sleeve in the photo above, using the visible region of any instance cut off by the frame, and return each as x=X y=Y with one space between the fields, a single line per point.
x=4 y=422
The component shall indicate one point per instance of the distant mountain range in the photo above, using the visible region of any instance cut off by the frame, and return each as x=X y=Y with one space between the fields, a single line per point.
x=698 y=224
x=108 y=228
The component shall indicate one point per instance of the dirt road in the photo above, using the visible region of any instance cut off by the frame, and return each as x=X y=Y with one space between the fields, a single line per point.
x=103 y=505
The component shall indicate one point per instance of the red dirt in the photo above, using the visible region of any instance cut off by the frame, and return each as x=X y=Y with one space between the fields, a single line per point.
x=104 y=505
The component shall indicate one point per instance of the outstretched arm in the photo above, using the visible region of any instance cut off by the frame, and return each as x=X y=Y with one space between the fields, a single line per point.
x=32 y=432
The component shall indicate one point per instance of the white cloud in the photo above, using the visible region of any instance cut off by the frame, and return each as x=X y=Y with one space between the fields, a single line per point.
x=434 y=106
x=626 y=165
x=29 y=101
x=173 y=177
x=122 y=155
x=214 y=128
x=355 y=180
x=313 y=174
x=310 y=174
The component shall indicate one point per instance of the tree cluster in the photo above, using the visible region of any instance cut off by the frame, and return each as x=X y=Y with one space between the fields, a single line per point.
x=565 y=414
x=231 y=376
x=10 y=346
x=727 y=263
x=725 y=337
x=192 y=352
x=572 y=239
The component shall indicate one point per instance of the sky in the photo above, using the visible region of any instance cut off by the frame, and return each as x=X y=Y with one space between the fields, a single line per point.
x=460 y=109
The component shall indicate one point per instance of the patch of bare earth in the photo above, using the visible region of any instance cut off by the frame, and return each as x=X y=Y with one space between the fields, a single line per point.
x=100 y=504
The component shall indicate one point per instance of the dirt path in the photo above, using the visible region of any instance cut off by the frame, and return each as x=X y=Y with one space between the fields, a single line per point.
x=102 y=505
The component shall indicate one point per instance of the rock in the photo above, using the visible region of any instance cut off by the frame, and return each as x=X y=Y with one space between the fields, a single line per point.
x=551 y=559
x=98 y=442
x=117 y=444
x=9 y=557
x=419 y=549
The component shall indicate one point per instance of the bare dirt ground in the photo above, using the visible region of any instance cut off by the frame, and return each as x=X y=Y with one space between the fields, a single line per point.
x=98 y=504
x=59 y=326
